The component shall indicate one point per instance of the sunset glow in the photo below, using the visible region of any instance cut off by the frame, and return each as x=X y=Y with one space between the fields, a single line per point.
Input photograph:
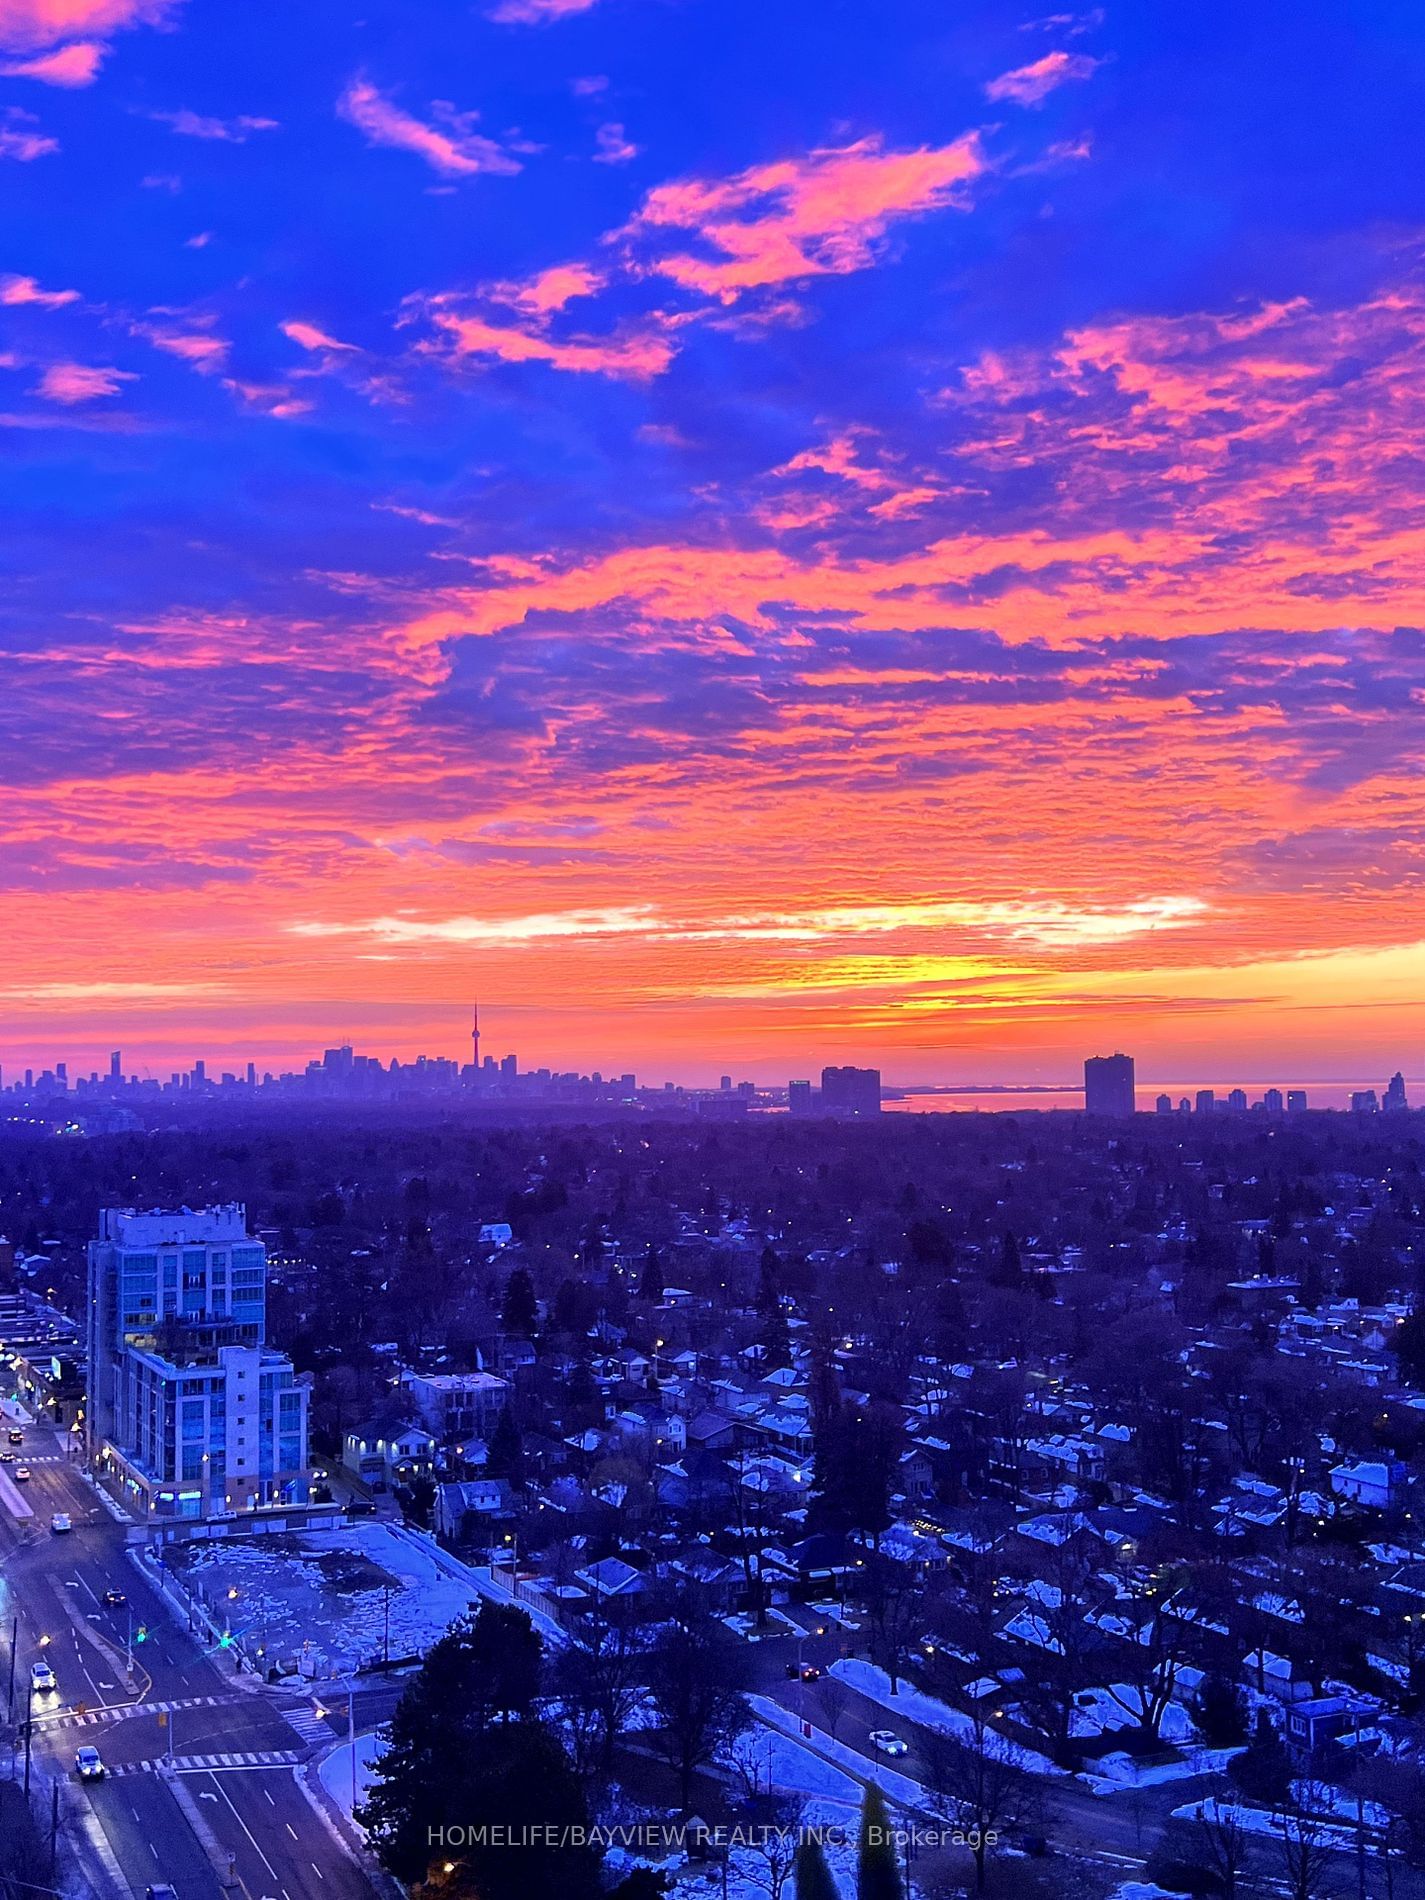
x=734 y=535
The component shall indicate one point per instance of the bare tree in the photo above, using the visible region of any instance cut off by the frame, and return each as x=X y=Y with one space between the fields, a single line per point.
x=690 y=1679
x=1221 y=1839
x=832 y=1698
x=1308 y=1842
x=977 y=1782
x=773 y=1827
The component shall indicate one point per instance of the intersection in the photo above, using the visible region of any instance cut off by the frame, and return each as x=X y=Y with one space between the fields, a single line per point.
x=202 y=1786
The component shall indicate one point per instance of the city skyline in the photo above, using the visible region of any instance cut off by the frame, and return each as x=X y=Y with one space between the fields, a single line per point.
x=895 y=550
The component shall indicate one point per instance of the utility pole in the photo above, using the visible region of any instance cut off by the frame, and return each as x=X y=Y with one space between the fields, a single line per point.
x=29 y=1724
x=53 y=1828
x=14 y=1645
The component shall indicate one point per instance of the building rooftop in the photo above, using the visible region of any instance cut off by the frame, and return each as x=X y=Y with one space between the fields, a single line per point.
x=160 y=1227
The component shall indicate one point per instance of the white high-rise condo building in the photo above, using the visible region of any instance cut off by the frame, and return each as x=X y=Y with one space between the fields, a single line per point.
x=190 y=1413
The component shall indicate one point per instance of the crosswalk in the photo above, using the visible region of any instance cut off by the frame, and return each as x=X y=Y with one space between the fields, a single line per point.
x=72 y=1718
x=208 y=1764
x=308 y=1724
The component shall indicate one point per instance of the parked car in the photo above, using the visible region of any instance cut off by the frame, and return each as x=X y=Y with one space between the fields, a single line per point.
x=886 y=1742
x=87 y=1764
x=42 y=1680
x=161 y=1892
x=60 y=1521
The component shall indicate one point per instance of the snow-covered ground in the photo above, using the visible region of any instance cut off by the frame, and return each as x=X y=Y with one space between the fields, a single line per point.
x=335 y=1771
x=329 y=1598
x=786 y=1766
x=897 y=1788
x=913 y=1705
x=1262 y=1821
x=1114 y=1772
x=1106 y=1711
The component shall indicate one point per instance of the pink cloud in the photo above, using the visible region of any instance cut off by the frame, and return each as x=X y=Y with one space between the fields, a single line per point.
x=537 y=12
x=19 y=139
x=269 y=399
x=551 y=290
x=74 y=65
x=635 y=356
x=24 y=290
x=456 y=152
x=70 y=383
x=804 y=217
x=205 y=353
x=309 y=337
x=193 y=125
x=1031 y=85
x=614 y=147
x=27 y=24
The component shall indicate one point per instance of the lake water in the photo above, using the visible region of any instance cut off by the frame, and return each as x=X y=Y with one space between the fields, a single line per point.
x=1007 y=1101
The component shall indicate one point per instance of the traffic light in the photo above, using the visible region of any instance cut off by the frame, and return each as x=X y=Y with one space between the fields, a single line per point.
x=225 y=1641
x=141 y=1633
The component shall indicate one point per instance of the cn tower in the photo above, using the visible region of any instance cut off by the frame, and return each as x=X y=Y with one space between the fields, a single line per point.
x=475 y=1037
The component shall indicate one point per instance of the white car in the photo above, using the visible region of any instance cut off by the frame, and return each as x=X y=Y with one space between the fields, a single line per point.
x=42 y=1680
x=87 y=1764
x=22 y=1474
x=60 y=1521
x=886 y=1742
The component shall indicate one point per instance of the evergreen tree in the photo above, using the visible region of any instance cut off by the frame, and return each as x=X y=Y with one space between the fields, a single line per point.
x=504 y=1457
x=464 y=1748
x=650 y=1281
x=814 y=1879
x=520 y=1312
x=1262 y=1772
x=878 y=1875
x=1008 y=1270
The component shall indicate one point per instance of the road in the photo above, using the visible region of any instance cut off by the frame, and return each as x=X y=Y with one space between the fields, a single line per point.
x=1118 y=1830
x=202 y=1769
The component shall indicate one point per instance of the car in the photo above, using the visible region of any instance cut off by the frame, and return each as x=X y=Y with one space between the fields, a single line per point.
x=88 y=1765
x=359 y=1507
x=320 y=1473
x=17 y=1437
x=42 y=1680
x=886 y=1742
x=161 y=1892
x=60 y=1521
x=803 y=1672
x=115 y=1599
x=7 y=1457
x=22 y=1474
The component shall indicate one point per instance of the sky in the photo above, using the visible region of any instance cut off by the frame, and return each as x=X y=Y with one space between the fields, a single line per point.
x=739 y=535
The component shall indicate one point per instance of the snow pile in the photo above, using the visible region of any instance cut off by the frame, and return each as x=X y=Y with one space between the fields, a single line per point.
x=914 y=1705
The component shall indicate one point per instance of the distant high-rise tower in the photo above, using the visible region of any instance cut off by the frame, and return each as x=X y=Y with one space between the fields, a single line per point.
x=851 y=1091
x=1108 y=1085
x=116 y=1066
x=475 y=1036
x=1395 y=1094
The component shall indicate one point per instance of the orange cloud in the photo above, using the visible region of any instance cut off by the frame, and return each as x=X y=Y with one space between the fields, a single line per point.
x=798 y=218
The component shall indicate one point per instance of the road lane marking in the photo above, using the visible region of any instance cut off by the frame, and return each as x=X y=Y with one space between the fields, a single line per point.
x=248 y=1831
